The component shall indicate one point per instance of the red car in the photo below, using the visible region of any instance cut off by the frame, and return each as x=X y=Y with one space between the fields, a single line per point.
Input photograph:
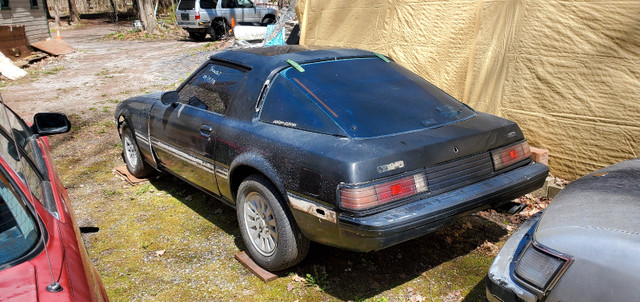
x=42 y=256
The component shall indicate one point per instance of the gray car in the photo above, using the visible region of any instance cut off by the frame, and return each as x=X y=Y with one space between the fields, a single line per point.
x=213 y=17
x=584 y=247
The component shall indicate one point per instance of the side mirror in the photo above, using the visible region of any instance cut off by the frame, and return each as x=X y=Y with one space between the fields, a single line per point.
x=169 y=98
x=50 y=123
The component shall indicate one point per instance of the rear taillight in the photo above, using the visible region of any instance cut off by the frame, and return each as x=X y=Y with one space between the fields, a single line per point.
x=509 y=155
x=372 y=195
x=197 y=15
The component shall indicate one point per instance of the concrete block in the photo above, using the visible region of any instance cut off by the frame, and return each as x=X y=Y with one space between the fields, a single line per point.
x=540 y=155
x=553 y=190
x=544 y=190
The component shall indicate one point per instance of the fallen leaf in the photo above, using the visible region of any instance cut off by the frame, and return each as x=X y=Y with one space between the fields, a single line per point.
x=290 y=286
x=297 y=278
x=448 y=240
x=416 y=298
x=160 y=253
x=454 y=296
x=489 y=248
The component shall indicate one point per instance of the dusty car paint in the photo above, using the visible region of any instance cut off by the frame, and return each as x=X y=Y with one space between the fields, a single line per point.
x=215 y=151
x=593 y=222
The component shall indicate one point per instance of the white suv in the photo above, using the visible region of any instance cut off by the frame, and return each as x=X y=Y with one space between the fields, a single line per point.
x=202 y=17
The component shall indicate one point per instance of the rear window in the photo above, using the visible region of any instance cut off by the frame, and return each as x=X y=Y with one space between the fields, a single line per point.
x=369 y=97
x=187 y=5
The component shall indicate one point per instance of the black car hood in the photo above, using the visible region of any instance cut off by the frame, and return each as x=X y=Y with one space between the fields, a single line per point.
x=602 y=207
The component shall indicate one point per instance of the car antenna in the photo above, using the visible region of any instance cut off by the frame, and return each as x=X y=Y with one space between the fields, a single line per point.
x=54 y=286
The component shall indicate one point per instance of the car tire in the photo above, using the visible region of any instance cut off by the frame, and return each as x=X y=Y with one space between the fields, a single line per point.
x=131 y=154
x=271 y=236
x=218 y=30
x=197 y=36
x=268 y=20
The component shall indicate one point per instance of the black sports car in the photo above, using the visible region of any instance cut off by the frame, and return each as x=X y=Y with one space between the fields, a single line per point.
x=339 y=146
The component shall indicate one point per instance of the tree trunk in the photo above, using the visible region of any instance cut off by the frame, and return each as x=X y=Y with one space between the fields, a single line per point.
x=46 y=9
x=56 y=7
x=147 y=17
x=73 y=12
x=114 y=5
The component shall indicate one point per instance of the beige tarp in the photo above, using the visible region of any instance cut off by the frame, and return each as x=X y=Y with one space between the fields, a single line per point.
x=568 y=72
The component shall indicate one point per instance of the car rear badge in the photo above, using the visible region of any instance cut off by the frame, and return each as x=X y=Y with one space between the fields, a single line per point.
x=390 y=167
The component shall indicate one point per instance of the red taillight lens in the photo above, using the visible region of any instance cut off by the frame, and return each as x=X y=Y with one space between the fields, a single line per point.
x=507 y=156
x=359 y=198
x=197 y=15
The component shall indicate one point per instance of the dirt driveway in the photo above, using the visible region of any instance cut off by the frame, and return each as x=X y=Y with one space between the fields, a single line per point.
x=165 y=241
x=101 y=70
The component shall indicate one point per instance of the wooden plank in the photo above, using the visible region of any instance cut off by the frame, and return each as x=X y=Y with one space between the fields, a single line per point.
x=260 y=272
x=124 y=174
x=54 y=47
x=13 y=42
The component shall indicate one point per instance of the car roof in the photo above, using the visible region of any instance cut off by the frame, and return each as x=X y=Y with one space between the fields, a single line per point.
x=272 y=57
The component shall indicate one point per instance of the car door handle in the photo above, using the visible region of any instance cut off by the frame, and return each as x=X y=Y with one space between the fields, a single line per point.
x=206 y=130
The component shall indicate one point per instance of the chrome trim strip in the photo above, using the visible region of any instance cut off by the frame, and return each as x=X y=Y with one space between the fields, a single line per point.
x=202 y=164
x=222 y=171
x=141 y=138
x=313 y=209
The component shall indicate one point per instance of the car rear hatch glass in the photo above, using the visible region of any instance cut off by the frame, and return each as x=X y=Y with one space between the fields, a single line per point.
x=187 y=5
x=368 y=97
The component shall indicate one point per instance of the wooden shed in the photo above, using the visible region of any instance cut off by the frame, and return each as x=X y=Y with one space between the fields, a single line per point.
x=17 y=16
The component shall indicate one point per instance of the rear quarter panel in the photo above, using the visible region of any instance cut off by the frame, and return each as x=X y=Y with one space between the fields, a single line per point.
x=285 y=152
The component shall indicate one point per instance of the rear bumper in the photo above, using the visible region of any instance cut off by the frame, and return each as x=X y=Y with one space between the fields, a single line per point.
x=393 y=226
x=501 y=285
x=194 y=26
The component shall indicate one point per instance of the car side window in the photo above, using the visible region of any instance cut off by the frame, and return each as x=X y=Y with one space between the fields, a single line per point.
x=245 y=3
x=31 y=167
x=18 y=228
x=212 y=88
x=285 y=105
x=24 y=168
x=12 y=123
x=229 y=3
x=210 y=4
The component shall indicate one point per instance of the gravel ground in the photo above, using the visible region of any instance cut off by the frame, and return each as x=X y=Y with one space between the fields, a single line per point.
x=100 y=70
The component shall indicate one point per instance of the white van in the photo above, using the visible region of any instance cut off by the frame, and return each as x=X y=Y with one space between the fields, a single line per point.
x=202 y=17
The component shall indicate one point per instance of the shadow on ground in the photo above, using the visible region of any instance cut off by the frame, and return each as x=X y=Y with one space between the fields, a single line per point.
x=350 y=275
